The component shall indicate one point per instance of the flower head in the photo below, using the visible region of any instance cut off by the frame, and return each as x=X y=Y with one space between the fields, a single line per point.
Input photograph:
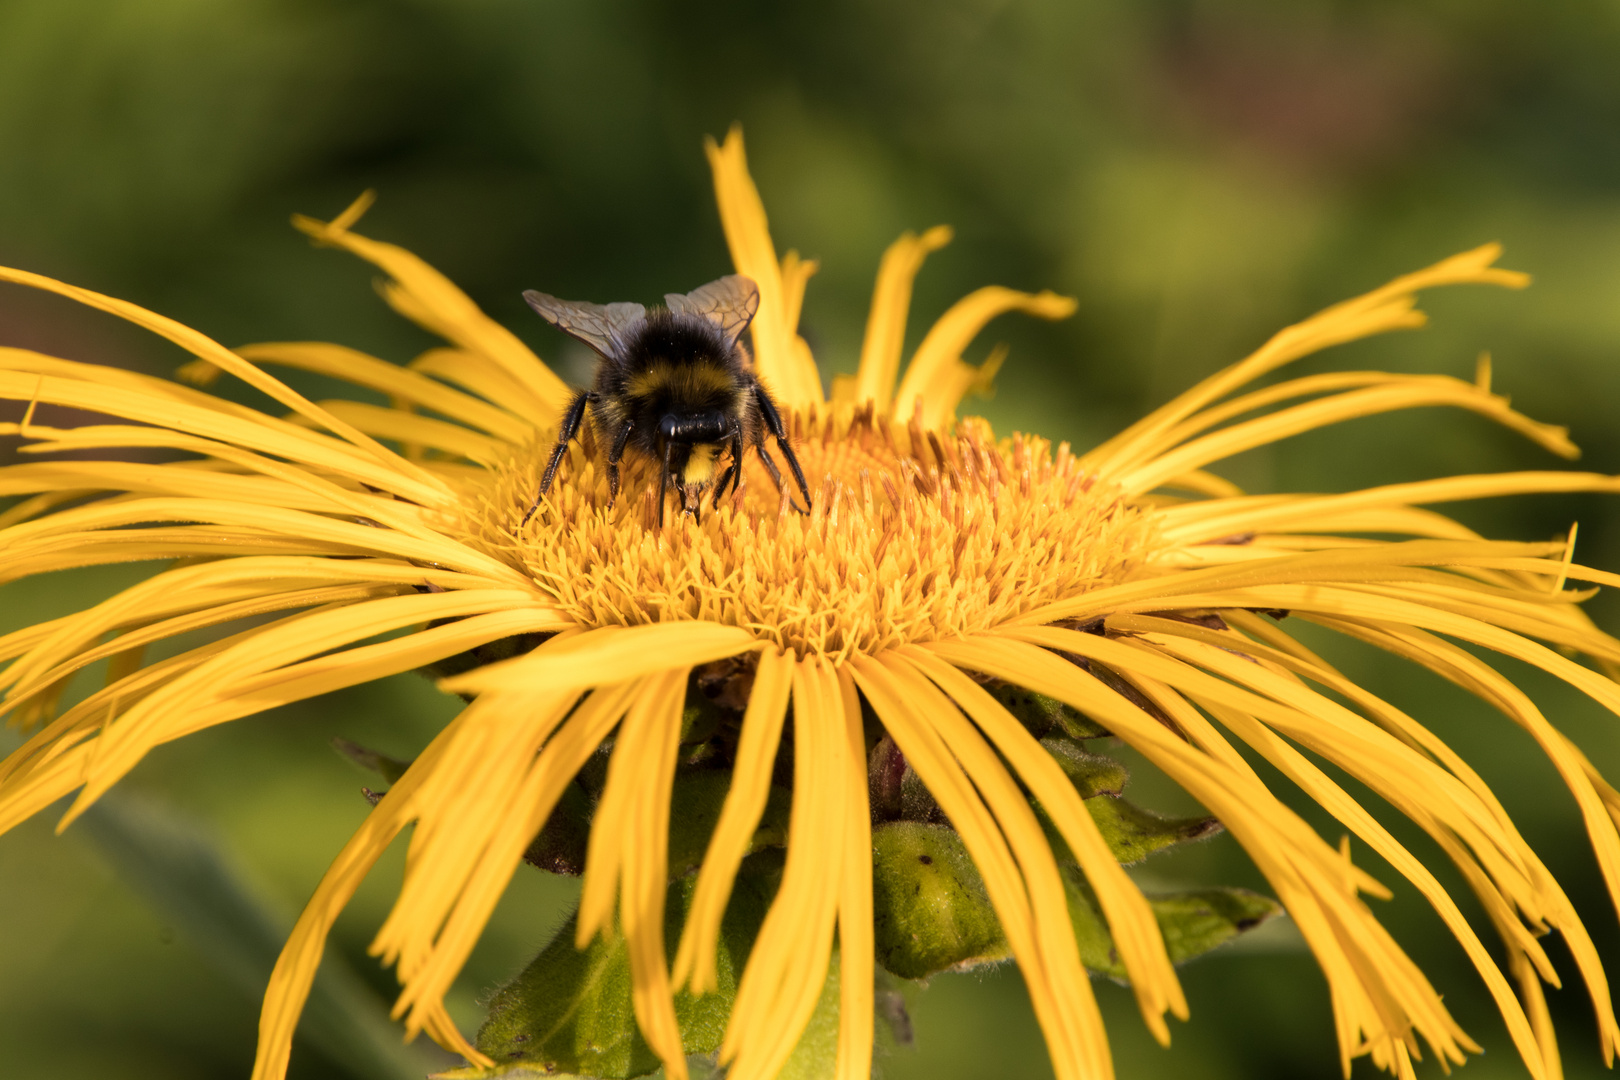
x=938 y=561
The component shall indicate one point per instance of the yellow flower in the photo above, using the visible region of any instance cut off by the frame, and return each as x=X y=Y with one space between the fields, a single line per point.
x=370 y=541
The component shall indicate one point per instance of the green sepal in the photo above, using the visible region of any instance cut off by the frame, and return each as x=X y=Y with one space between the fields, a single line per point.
x=930 y=911
x=1040 y=714
x=917 y=803
x=1131 y=832
x=700 y=719
x=517 y=1071
x=935 y=916
x=1195 y=922
x=570 y=1010
x=695 y=809
x=561 y=845
x=1091 y=774
x=1192 y=923
x=1134 y=833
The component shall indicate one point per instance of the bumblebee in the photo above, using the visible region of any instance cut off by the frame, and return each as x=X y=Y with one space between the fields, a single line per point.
x=675 y=384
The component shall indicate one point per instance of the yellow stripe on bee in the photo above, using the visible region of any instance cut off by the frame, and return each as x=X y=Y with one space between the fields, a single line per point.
x=700 y=465
x=702 y=377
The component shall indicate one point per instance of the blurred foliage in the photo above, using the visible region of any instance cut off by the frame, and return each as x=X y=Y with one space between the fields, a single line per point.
x=1197 y=173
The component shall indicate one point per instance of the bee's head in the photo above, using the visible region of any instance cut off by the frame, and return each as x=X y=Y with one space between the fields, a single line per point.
x=705 y=426
x=691 y=443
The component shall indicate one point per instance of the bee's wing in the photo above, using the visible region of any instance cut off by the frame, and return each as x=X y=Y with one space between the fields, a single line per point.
x=729 y=303
x=601 y=326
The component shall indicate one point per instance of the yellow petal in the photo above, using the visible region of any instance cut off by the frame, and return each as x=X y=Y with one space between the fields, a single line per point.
x=739 y=817
x=383 y=469
x=1196 y=521
x=1412 y=783
x=886 y=323
x=786 y=372
x=62 y=529
x=1379 y=995
x=644 y=869
x=796 y=275
x=156 y=718
x=476 y=372
x=788 y=965
x=1334 y=566
x=397 y=382
x=1131 y=920
x=404 y=427
x=1070 y=1022
x=1391 y=307
x=855 y=934
x=936 y=376
x=1396 y=394
x=205 y=348
x=460 y=808
x=428 y=298
x=610 y=654
x=627 y=857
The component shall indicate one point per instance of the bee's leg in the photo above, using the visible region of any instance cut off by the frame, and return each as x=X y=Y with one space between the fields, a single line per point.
x=615 y=452
x=570 y=428
x=773 y=421
x=770 y=466
x=733 y=474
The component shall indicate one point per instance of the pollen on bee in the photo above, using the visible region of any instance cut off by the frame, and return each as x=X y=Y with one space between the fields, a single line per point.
x=700 y=463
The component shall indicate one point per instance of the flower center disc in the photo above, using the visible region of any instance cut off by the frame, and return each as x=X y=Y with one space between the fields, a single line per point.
x=912 y=536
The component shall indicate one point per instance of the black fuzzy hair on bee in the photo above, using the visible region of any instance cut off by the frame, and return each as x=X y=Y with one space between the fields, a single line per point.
x=674 y=384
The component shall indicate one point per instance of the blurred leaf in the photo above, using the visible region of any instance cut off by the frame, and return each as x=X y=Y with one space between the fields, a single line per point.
x=570 y=1010
x=1040 y=714
x=190 y=881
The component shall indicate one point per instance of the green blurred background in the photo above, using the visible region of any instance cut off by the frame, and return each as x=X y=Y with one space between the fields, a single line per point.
x=1197 y=174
